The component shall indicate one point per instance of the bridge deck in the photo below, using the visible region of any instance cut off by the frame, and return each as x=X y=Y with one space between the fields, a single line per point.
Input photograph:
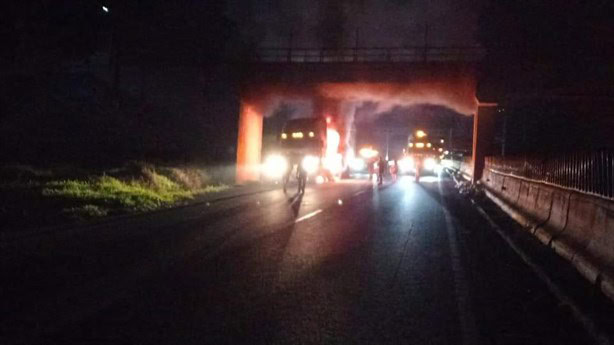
x=365 y=55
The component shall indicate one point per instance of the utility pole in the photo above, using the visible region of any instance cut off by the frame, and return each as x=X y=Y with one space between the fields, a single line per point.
x=387 y=143
x=426 y=30
x=356 y=45
x=290 y=43
x=504 y=135
x=426 y=35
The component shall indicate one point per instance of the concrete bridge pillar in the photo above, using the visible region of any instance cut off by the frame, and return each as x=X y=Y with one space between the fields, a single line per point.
x=483 y=135
x=249 y=144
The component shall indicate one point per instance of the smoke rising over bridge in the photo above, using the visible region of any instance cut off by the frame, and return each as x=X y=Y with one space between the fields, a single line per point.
x=329 y=78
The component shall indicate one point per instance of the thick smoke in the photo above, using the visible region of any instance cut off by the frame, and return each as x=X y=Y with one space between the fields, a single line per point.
x=457 y=94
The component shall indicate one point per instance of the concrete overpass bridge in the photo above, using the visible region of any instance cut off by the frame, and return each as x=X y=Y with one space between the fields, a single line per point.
x=326 y=77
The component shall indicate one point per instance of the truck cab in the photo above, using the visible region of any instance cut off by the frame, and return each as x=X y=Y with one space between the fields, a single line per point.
x=422 y=155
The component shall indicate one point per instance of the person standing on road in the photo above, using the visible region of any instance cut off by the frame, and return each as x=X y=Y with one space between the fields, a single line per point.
x=393 y=170
x=381 y=167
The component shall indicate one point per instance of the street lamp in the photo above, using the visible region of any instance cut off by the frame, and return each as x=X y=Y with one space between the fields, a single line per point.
x=105 y=9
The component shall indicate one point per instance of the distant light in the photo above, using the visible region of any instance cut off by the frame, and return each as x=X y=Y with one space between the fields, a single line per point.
x=440 y=149
x=311 y=134
x=411 y=144
x=357 y=164
x=284 y=136
x=297 y=135
x=105 y=8
x=419 y=145
x=367 y=152
x=420 y=133
x=442 y=141
x=430 y=164
x=329 y=119
x=320 y=179
x=275 y=166
x=406 y=164
x=339 y=202
x=429 y=145
x=310 y=164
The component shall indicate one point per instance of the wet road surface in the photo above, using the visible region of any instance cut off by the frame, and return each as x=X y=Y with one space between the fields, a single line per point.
x=346 y=263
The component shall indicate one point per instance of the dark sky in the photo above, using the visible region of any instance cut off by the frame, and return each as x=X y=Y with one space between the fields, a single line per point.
x=377 y=23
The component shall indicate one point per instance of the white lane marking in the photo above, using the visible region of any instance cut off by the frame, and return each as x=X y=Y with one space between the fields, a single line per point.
x=308 y=215
x=360 y=192
x=585 y=320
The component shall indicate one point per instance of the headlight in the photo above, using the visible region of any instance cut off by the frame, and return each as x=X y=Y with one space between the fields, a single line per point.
x=275 y=166
x=430 y=164
x=310 y=164
x=406 y=164
x=357 y=164
x=333 y=163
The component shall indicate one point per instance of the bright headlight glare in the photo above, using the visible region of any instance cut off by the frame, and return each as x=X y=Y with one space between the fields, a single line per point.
x=275 y=166
x=333 y=163
x=406 y=164
x=430 y=164
x=310 y=164
x=357 y=164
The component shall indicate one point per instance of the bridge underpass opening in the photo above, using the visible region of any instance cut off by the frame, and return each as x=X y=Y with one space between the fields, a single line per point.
x=338 y=100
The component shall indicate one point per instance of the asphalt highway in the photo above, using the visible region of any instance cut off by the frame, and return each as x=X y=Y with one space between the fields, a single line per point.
x=345 y=263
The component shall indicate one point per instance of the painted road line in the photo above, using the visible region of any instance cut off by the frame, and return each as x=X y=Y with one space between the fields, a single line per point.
x=308 y=215
x=360 y=192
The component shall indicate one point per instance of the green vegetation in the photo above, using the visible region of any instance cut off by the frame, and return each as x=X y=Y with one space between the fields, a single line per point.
x=45 y=197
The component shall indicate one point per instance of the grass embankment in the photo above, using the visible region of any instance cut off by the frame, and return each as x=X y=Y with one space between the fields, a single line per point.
x=33 y=197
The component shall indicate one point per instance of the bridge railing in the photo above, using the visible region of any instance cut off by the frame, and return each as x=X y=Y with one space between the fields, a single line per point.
x=585 y=171
x=363 y=55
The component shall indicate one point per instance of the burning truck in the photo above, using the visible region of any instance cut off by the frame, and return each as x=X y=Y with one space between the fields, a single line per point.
x=311 y=142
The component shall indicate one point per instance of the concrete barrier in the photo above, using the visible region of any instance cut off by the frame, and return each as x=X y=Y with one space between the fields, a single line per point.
x=579 y=229
x=511 y=190
x=527 y=204
x=523 y=196
x=577 y=226
x=486 y=177
x=596 y=260
x=497 y=182
x=543 y=205
x=558 y=217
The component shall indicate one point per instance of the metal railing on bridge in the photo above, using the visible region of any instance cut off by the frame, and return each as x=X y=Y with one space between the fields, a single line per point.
x=587 y=171
x=366 y=55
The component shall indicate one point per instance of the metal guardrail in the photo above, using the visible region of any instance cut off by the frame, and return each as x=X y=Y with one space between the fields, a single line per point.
x=365 y=55
x=588 y=171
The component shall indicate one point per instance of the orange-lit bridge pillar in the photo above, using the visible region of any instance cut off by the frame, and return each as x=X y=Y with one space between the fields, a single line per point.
x=249 y=144
x=483 y=135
